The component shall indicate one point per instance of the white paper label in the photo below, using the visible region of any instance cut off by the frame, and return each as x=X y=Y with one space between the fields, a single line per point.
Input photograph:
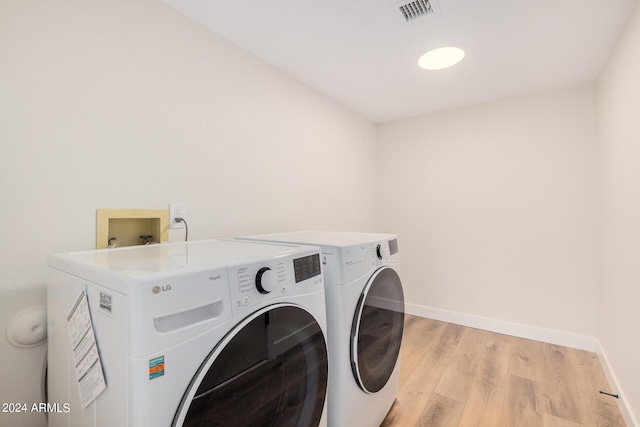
x=89 y=372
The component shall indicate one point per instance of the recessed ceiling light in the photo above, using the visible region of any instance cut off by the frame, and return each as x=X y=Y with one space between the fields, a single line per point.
x=443 y=57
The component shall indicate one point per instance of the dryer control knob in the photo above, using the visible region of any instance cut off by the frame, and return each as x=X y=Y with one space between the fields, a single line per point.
x=266 y=280
x=381 y=252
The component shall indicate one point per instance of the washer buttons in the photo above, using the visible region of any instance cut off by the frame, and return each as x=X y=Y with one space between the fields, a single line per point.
x=246 y=300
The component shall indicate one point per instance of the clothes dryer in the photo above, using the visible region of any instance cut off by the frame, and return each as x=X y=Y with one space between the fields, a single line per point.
x=365 y=320
x=218 y=332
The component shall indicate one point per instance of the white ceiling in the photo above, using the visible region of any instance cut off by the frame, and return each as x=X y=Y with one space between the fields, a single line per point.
x=364 y=55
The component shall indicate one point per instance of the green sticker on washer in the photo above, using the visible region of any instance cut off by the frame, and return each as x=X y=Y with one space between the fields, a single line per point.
x=156 y=367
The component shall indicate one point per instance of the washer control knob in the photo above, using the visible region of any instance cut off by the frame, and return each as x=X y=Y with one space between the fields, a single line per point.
x=266 y=280
x=381 y=252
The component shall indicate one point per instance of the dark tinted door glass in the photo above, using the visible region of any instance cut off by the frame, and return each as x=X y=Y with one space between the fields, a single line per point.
x=272 y=373
x=379 y=331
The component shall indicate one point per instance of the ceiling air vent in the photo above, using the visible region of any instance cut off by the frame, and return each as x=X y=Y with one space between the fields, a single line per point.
x=416 y=9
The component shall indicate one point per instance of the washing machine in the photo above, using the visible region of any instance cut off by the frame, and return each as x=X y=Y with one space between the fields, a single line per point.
x=204 y=333
x=365 y=320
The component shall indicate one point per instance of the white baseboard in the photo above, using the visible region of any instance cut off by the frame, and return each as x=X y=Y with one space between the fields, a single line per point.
x=502 y=327
x=629 y=418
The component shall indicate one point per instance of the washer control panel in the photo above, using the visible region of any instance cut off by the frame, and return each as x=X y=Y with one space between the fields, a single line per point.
x=253 y=284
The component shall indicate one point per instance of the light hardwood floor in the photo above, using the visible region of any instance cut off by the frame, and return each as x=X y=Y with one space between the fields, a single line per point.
x=452 y=376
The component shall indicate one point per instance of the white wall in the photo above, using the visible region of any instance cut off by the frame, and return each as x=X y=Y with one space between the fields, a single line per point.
x=495 y=207
x=129 y=104
x=121 y=104
x=619 y=154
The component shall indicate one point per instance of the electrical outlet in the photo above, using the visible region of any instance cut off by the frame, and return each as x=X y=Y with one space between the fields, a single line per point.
x=177 y=210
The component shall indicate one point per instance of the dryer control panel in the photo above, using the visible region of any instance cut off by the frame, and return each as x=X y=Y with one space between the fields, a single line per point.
x=348 y=263
x=255 y=283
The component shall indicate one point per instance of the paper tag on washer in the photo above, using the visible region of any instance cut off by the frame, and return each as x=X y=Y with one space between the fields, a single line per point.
x=89 y=373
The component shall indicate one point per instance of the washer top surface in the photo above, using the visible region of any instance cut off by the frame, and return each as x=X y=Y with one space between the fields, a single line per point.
x=166 y=257
x=325 y=238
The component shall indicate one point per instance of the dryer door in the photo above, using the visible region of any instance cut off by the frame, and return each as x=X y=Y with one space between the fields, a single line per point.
x=270 y=370
x=376 y=332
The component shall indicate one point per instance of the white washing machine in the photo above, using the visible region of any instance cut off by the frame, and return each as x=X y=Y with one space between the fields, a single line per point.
x=204 y=333
x=365 y=320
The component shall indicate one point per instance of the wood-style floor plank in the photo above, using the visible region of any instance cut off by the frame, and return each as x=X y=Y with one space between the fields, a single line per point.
x=551 y=421
x=418 y=334
x=486 y=398
x=527 y=359
x=560 y=393
x=454 y=376
x=458 y=377
x=440 y=411
x=422 y=371
x=522 y=403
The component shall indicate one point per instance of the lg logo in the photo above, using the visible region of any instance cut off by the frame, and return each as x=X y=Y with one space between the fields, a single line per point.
x=157 y=289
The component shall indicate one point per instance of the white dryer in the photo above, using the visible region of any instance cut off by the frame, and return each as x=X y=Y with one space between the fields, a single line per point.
x=365 y=320
x=204 y=333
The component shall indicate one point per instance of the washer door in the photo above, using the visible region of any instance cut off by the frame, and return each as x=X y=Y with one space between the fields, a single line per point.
x=376 y=333
x=270 y=370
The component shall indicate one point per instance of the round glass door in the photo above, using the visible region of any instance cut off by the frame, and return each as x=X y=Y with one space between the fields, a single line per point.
x=271 y=370
x=376 y=333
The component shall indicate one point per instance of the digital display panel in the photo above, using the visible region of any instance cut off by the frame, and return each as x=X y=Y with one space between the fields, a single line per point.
x=393 y=246
x=306 y=267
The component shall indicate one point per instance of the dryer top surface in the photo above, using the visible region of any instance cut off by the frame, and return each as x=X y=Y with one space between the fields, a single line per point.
x=339 y=239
